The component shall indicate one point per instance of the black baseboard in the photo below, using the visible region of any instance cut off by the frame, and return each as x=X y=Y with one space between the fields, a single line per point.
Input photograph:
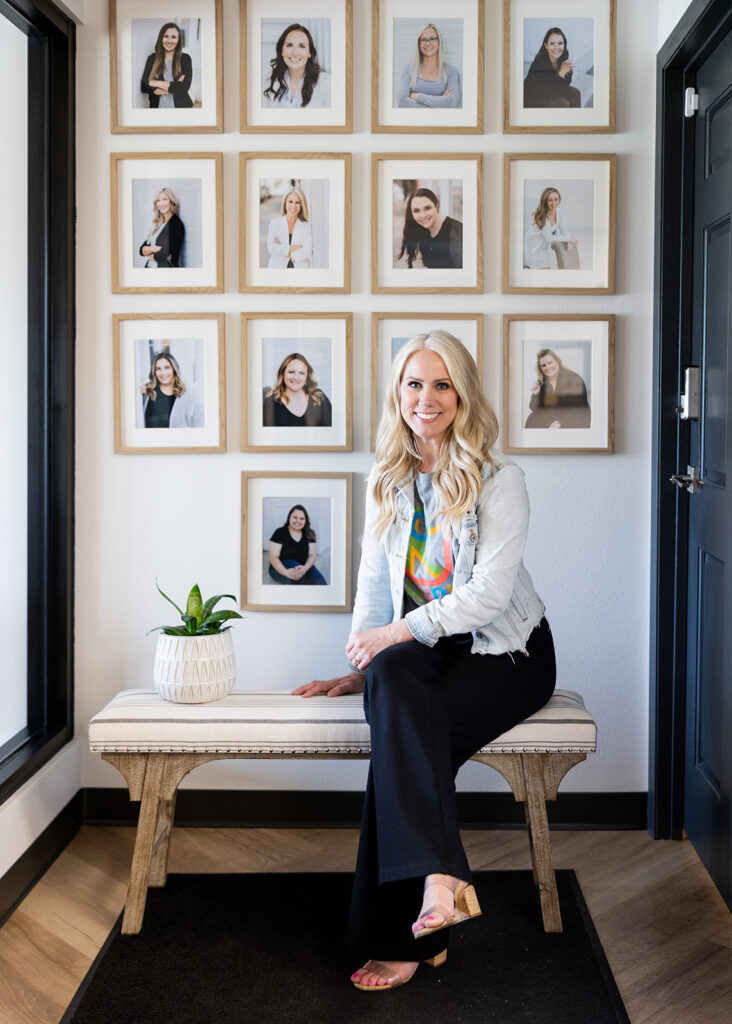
x=328 y=809
x=39 y=856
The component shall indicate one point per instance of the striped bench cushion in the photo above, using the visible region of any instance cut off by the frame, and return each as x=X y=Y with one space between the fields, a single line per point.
x=274 y=723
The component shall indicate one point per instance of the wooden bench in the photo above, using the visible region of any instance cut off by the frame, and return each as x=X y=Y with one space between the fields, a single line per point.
x=154 y=744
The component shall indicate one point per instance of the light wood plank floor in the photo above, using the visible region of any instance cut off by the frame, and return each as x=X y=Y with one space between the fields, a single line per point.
x=665 y=929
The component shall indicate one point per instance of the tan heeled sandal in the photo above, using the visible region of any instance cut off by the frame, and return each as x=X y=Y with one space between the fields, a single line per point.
x=466 y=906
x=391 y=979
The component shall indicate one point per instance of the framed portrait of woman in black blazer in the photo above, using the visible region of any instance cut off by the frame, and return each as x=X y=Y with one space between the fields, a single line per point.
x=559 y=66
x=166 y=66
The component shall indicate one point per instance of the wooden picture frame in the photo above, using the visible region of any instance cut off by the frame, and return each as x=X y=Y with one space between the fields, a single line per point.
x=135 y=27
x=192 y=350
x=539 y=98
x=454 y=192
x=578 y=253
x=137 y=182
x=321 y=184
x=388 y=335
x=267 y=500
x=325 y=343
x=451 y=105
x=330 y=107
x=558 y=384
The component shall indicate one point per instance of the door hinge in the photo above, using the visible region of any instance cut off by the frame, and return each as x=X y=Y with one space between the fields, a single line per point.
x=688 y=481
x=691 y=101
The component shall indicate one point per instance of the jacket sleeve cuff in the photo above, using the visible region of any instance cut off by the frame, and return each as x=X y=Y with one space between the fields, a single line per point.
x=421 y=627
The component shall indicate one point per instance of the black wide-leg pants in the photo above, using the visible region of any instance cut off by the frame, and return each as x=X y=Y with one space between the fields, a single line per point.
x=430 y=709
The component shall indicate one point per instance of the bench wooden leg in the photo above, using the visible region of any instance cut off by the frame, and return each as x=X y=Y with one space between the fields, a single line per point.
x=161 y=845
x=539 y=841
x=146 y=830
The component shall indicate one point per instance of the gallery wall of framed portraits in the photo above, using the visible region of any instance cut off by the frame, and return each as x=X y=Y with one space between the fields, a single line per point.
x=291 y=257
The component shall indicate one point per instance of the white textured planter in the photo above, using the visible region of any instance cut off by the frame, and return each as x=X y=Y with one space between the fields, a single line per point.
x=194 y=669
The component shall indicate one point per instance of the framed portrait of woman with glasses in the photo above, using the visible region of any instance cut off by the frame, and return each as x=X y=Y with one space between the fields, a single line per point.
x=427 y=66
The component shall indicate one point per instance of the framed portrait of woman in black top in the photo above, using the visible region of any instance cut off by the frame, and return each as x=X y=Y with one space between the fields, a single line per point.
x=426 y=225
x=166 y=66
x=296 y=382
x=559 y=66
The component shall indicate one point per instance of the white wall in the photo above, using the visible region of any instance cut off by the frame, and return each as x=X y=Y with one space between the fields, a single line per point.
x=670 y=13
x=177 y=516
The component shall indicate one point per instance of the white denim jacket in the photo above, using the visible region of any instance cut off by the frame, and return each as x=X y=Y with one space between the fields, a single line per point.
x=492 y=593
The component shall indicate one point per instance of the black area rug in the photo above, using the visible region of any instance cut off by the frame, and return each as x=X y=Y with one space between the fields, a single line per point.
x=259 y=949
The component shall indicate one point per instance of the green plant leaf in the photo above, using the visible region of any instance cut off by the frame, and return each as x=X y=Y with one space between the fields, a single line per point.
x=195 y=603
x=167 y=598
x=220 y=617
x=211 y=604
x=169 y=630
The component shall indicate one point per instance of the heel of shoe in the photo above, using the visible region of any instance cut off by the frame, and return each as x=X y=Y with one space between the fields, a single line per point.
x=436 y=961
x=466 y=902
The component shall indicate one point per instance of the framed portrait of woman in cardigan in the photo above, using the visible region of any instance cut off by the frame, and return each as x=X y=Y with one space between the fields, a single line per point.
x=166 y=66
x=559 y=66
x=558 y=384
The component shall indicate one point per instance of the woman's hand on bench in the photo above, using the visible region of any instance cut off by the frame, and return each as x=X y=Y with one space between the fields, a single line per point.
x=352 y=683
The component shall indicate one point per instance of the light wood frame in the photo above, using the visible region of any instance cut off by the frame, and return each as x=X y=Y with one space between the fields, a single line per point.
x=115 y=160
x=119 y=446
x=376 y=288
x=346 y=519
x=125 y=129
x=346 y=220
x=377 y=83
x=430 y=320
x=247 y=126
x=557 y=129
x=513 y=449
x=575 y=288
x=347 y=446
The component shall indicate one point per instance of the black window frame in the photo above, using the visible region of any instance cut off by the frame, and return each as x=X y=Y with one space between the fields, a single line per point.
x=51 y=330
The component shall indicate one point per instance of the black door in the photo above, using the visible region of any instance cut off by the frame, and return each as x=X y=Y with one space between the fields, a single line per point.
x=708 y=769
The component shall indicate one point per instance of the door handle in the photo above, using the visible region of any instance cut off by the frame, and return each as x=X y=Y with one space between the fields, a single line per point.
x=689 y=481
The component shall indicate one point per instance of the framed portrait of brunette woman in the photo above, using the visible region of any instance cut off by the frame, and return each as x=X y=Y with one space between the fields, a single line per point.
x=558 y=384
x=391 y=331
x=296 y=542
x=427 y=71
x=166 y=64
x=559 y=65
x=296 y=382
x=296 y=66
x=426 y=224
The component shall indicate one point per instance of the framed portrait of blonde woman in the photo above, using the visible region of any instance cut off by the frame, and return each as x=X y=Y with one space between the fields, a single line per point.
x=558 y=384
x=559 y=223
x=295 y=222
x=559 y=66
x=167 y=222
x=428 y=65
x=296 y=542
x=296 y=66
x=166 y=64
x=169 y=383
x=296 y=382
x=426 y=225
x=391 y=331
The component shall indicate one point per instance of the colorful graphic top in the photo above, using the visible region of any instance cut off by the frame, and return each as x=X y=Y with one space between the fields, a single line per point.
x=429 y=569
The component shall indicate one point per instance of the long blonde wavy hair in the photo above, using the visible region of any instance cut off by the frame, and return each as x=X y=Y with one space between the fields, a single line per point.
x=457 y=477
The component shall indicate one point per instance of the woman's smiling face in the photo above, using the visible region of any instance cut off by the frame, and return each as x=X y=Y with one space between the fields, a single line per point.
x=554 y=46
x=552 y=201
x=428 y=400
x=164 y=372
x=297 y=519
x=549 y=366
x=292 y=205
x=429 y=43
x=163 y=203
x=296 y=374
x=170 y=39
x=296 y=50
x=424 y=211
